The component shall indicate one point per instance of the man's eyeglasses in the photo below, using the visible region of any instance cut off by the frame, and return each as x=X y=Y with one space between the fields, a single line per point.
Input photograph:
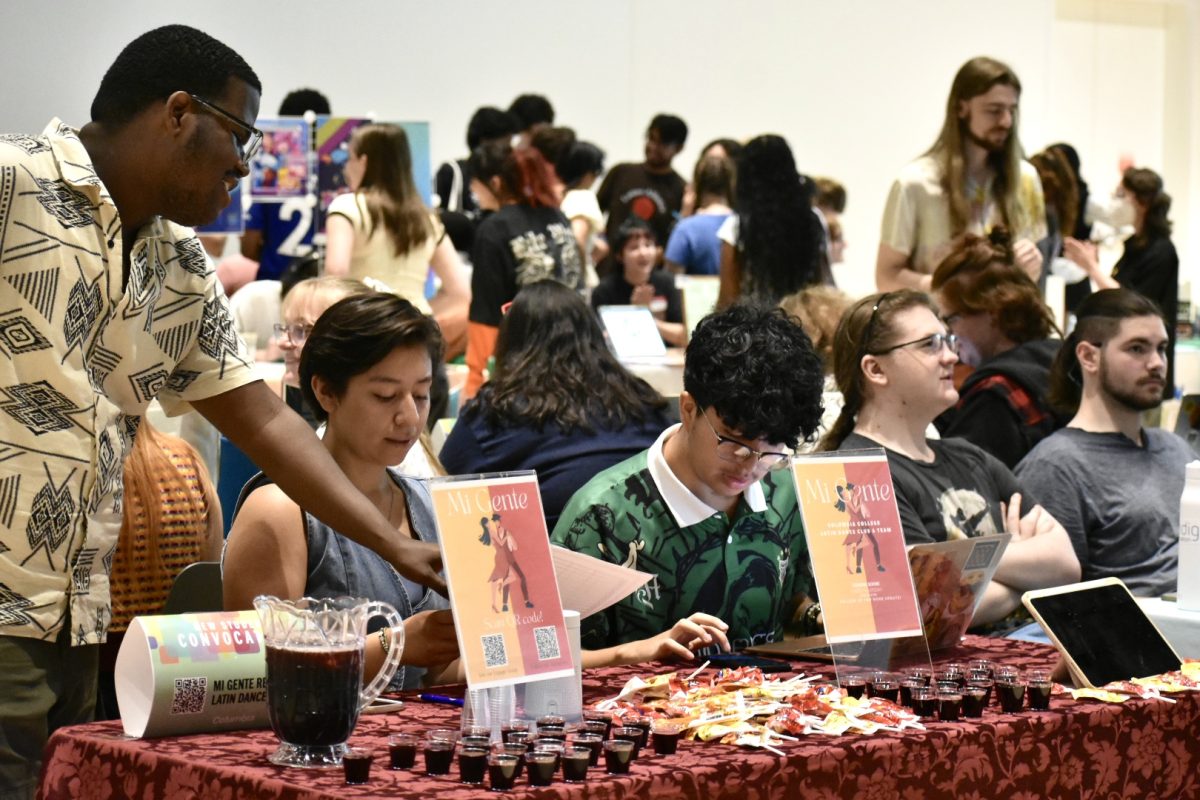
x=738 y=452
x=931 y=344
x=251 y=139
x=296 y=332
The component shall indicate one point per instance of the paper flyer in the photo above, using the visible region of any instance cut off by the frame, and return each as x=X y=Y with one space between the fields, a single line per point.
x=280 y=169
x=950 y=578
x=190 y=673
x=589 y=585
x=503 y=589
x=856 y=545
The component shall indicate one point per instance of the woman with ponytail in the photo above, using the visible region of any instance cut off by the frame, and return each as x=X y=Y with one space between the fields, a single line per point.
x=527 y=239
x=1149 y=265
x=894 y=361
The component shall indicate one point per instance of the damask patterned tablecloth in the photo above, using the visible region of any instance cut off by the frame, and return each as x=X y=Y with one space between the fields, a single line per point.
x=1138 y=749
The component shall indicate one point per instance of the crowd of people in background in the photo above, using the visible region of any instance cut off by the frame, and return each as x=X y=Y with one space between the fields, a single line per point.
x=994 y=417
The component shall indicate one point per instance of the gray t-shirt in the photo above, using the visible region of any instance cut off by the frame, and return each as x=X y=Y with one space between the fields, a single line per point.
x=1119 y=502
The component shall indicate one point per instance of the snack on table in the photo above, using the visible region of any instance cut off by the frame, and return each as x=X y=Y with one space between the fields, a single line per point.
x=740 y=707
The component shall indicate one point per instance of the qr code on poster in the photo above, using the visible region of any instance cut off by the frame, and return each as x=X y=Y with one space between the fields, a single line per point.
x=494 y=654
x=188 y=697
x=546 y=640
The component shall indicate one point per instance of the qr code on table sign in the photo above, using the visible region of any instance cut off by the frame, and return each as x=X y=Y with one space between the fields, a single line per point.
x=546 y=640
x=188 y=697
x=494 y=654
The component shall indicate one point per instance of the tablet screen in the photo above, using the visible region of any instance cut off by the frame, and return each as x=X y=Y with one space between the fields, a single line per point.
x=1107 y=633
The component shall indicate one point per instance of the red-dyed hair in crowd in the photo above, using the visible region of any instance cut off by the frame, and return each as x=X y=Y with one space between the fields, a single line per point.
x=525 y=176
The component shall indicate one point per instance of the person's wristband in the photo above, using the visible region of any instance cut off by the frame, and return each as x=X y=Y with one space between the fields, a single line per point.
x=385 y=641
x=809 y=623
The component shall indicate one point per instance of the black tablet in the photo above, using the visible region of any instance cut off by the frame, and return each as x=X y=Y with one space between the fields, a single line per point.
x=1102 y=632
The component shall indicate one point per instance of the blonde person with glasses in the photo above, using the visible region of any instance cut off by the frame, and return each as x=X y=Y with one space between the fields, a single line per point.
x=894 y=364
x=709 y=509
x=302 y=306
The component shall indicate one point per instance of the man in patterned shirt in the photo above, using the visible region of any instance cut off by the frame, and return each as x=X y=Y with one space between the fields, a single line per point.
x=702 y=510
x=105 y=304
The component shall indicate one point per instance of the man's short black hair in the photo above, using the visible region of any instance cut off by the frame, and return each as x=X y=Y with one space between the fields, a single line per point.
x=579 y=159
x=489 y=123
x=302 y=100
x=531 y=109
x=168 y=59
x=671 y=129
x=757 y=369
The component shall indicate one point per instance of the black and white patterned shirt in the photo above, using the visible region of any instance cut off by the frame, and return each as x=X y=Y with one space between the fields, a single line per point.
x=81 y=357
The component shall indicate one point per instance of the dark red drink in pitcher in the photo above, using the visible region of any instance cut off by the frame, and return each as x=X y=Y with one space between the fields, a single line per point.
x=312 y=696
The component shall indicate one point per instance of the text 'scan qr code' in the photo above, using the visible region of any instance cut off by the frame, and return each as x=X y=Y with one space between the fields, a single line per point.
x=546 y=640
x=494 y=654
x=188 y=697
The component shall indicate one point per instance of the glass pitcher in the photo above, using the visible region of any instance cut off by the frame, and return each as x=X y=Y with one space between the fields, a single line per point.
x=315 y=653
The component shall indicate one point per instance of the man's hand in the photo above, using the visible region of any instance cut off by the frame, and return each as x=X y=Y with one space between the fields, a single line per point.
x=418 y=561
x=698 y=630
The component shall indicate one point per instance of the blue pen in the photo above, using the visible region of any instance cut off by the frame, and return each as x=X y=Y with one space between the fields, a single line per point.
x=441 y=698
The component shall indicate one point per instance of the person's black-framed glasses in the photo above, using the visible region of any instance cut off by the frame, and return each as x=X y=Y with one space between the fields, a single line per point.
x=296 y=332
x=740 y=452
x=248 y=145
x=932 y=344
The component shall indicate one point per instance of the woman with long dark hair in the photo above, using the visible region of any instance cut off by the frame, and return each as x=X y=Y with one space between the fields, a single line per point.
x=558 y=402
x=1149 y=265
x=528 y=239
x=772 y=245
x=894 y=360
x=383 y=230
x=1004 y=330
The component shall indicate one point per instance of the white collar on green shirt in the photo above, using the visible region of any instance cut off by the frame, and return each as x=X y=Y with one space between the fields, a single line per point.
x=686 y=507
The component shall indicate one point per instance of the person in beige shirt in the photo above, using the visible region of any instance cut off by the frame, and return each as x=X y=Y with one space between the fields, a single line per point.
x=972 y=178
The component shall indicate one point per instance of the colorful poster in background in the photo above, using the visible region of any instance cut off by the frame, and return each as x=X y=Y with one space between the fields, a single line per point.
x=230 y=221
x=280 y=170
x=189 y=673
x=856 y=545
x=500 y=573
x=333 y=150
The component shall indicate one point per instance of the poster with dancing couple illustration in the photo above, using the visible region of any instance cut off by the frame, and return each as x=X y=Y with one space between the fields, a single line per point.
x=856 y=545
x=500 y=572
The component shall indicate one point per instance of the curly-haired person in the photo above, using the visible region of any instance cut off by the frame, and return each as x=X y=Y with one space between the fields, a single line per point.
x=702 y=509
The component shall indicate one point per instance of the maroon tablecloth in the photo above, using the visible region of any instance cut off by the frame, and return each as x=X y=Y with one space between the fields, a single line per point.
x=1138 y=749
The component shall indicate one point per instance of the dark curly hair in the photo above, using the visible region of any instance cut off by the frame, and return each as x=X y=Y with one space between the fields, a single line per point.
x=356 y=333
x=758 y=370
x=553 y=366
x=169 y=59
x=779 y=235
x=300 y=100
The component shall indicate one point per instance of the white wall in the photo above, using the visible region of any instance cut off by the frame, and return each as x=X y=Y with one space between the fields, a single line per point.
x=856 y=86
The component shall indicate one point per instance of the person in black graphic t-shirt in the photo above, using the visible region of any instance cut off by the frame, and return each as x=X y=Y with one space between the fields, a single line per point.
x=650 y=190
x=527 y=240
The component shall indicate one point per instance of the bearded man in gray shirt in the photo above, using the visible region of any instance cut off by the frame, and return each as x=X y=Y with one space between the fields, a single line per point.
x=1114 y=485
